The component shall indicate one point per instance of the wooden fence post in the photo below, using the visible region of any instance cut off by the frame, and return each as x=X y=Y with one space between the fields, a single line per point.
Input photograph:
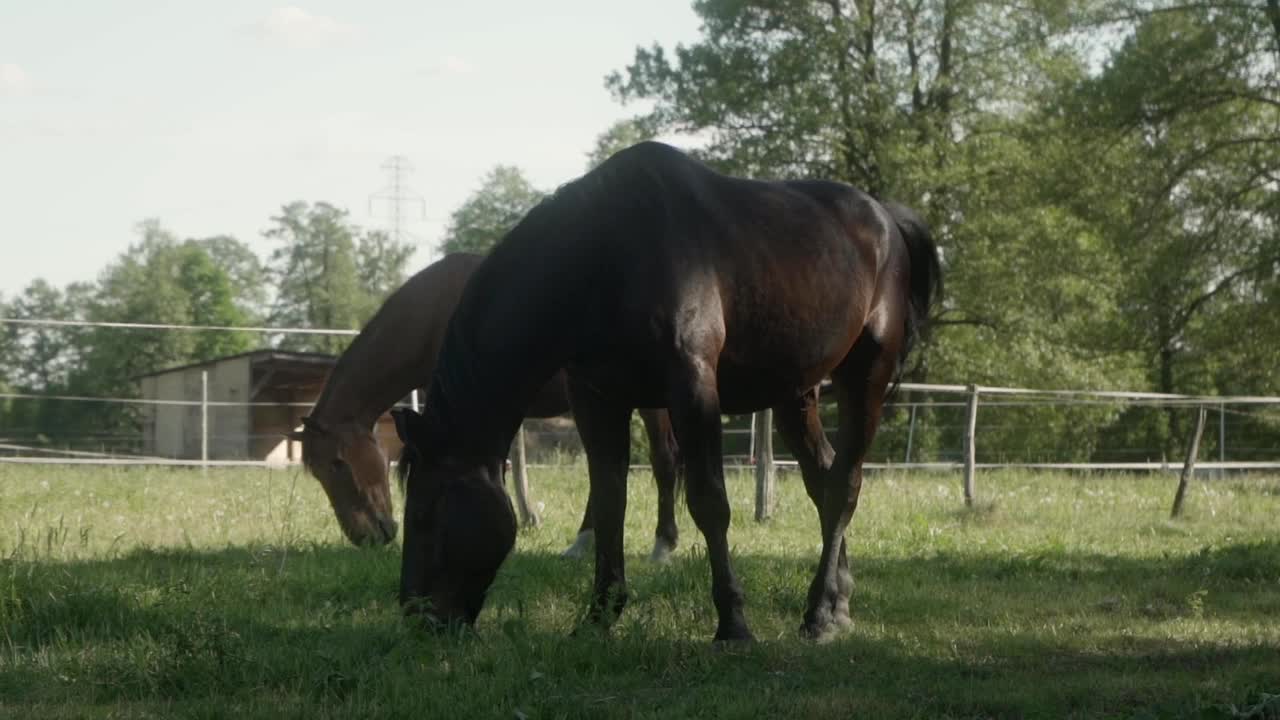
x=1222 y=438
x=1189 y=467
x=765 y=475
x=520 y=478
x=911 y=433
x=970 y=449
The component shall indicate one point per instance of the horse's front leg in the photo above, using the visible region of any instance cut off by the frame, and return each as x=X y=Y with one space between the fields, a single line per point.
x=586 y=537
x=606 y=437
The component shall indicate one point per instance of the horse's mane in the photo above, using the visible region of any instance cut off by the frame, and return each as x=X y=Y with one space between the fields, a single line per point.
x=633 y=183
x=370 y=348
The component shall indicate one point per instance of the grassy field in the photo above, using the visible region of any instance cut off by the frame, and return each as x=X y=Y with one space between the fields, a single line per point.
x=172 y=593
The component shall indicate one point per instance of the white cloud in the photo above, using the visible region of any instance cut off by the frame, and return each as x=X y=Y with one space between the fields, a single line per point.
x=294 y=27
x=456 y=65
x=13 y=80
x=449 y=65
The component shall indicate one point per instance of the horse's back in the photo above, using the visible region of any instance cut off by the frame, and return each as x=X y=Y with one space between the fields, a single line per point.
x=780 y=276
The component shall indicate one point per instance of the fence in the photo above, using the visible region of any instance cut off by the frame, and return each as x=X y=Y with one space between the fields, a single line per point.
x=963 y=428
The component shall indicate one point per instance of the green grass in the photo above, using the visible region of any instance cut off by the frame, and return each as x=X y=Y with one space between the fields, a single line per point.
x=172 y=593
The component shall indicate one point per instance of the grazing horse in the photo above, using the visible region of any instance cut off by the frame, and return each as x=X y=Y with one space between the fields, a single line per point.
x=390 y=357
x=658 y=282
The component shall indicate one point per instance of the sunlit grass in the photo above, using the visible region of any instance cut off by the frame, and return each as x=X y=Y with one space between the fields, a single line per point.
x=153 y=592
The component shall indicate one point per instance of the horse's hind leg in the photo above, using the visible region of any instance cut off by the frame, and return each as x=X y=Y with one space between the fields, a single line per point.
x=695 y=418
x=801 y=430
x=606 y=436
x=860 y=383
x=664 y=458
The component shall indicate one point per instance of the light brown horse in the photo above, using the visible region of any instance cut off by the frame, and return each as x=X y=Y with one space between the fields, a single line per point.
x=392 y=356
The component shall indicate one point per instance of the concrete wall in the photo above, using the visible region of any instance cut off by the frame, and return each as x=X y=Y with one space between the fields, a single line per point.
x=174 y=431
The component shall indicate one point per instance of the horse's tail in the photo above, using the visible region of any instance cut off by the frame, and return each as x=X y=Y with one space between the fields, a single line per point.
x=926 y=274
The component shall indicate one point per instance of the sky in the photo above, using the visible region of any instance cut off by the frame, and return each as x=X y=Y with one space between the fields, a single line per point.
x=209 y=116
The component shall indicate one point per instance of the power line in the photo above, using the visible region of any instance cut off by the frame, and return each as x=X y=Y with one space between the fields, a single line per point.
x=161 y=326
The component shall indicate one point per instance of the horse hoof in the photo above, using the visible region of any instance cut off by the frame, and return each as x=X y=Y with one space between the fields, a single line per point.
x=819 y=632
x=733 y=637
x=589 y=629
x=662 y=551
x=581 y=546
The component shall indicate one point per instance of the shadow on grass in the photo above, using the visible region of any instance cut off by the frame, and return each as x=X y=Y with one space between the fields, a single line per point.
x=946 y=635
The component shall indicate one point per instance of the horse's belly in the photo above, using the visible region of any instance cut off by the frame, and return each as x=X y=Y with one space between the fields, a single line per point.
x=770 y=357
x=744 y=389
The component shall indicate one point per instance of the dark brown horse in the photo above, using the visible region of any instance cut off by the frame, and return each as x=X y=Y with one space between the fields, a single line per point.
x=392 y=355
x=657 y=282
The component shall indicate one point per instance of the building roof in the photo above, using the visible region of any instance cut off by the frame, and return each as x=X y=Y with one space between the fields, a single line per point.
x=264 y=356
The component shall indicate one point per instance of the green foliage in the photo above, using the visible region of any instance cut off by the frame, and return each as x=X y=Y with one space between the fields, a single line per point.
x=380 y=264
x=1187 y=111
x=248 y=277
x=327 y=274
x=1099 y=229
x=619 y=136
x=314 y=269
x=1101 y=178
x=504 y=196
x=175 y=593
x=159 y=279
x=40 y=357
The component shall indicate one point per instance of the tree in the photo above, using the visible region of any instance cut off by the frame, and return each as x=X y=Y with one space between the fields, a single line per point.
x=380 y=264
x=244 y=270
x=157 y=280
x=316 y=275
x=160 y=280
x=945 y=105
x=620 y=135
x=43 y=359
x=1195 y=216
x=503 y=198
x=38 y=358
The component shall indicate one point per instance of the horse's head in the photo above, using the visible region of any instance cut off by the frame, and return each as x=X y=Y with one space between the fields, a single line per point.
x=459 y=527
x=352 y=469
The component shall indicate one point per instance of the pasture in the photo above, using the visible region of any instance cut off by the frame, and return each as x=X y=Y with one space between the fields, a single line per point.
x=176 y=593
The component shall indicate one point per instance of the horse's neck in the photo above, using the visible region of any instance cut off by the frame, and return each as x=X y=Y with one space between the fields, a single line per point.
x=371 y=383
x=517 y=332
x=387 y=361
